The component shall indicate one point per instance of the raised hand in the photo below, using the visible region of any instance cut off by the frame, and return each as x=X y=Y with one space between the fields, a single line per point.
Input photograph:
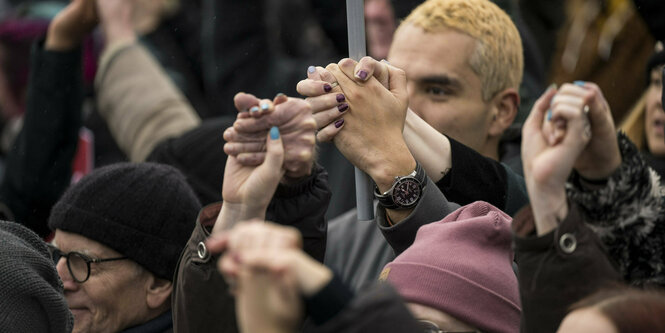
x=372 y=137
x=550 y=146
x=71 y=25
x=246 y=139
x=269 y=273
x=247 y=190
x=116 y=19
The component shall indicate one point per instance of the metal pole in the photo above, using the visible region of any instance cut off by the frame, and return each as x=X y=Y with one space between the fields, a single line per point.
x=355 y=21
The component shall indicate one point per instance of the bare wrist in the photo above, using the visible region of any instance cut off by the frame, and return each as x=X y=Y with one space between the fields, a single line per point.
x=384 y=171
x=232 y=213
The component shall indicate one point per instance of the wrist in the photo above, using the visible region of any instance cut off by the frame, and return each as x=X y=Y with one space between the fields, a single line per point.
x=384 y=171
x=312 y=276
x=549 y=205
x=232 y=213
x=55 y=42
x=116 y=33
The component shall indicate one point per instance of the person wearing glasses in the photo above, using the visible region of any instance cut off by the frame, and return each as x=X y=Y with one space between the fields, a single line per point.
x=118 y=235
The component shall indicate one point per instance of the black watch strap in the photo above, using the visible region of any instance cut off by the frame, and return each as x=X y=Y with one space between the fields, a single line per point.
x=387 y=199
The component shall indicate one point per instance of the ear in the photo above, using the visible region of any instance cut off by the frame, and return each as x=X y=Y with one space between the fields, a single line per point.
x=504 y=109
x=158 y=292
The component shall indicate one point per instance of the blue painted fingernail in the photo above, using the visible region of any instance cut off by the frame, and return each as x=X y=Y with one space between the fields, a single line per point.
x=254 y=109
x=362 y=74
x=264 y=106
x=274 y=133
x=311 y=69
x=548 y=117
x=579 y=83
x=386 y=61
x=339 y=123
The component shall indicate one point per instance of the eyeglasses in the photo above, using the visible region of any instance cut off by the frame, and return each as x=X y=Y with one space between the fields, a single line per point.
x=430 y=327
x=77 y=263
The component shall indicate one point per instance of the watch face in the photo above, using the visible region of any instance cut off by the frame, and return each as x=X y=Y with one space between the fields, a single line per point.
x=406 y=193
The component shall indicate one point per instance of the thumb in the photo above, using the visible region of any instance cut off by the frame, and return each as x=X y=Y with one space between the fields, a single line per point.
x=540 y=107
x=275 y=154
x=243 y=101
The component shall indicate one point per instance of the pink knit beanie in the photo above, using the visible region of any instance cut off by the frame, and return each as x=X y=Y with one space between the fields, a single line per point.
x=462 y=266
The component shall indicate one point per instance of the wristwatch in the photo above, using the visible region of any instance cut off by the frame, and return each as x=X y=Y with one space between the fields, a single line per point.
x=405 y=192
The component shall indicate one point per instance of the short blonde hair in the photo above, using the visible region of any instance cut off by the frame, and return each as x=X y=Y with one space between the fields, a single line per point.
x=498 y=58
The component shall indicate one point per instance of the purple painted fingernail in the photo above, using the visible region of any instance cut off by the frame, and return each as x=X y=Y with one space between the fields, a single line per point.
x=340 y=98
x=339 y=123
x=343 y=107
x=327 y=87
x=362 y=74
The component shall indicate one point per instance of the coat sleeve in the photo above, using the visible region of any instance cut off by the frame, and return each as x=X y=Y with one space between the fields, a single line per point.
x=557 y=269
x=474 y=177
x=432 y=207
x=139 y=102
x=628 y=215
x=201 y=301
x=376 y=309
x=38 y=166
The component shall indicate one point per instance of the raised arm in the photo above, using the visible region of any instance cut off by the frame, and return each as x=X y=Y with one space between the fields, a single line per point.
x=136 y=98
x=38 y=166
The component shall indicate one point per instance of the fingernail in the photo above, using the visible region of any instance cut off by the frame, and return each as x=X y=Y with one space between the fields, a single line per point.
x=361 y=74
x=279 y=95
x=386 y=61
x=552 y=86
x=254 y=109
x=274 y=133
x=340 y=98
x=311 y=69
x=579 y=83
x=339 y=123
x=327 y=87
x=342 y=107
x=548 y=117
x=264 y=106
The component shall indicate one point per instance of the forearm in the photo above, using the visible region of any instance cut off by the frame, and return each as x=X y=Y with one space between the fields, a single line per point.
x=433 y=206
x=38 y=165
x=428 y=146
x=303 y=205
x=138 y=101
x=569 y=255
x=627 y=214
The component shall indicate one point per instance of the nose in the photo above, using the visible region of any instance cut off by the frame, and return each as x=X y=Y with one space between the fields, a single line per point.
x=65 y=275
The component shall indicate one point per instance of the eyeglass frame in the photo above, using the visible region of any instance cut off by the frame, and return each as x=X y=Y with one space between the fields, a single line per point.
x=433 y=327
x=87 y=259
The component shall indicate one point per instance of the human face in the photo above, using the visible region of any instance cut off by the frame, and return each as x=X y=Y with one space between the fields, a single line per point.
x=443 y=88
x=586 y=320
x=444 y=321
x=114 y=296
x=654 y=118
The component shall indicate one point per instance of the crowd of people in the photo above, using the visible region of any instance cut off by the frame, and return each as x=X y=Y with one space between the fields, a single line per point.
x=187 y=166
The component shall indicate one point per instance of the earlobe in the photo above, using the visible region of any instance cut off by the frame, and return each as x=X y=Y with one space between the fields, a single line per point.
x=504 y=109
x=158 y=292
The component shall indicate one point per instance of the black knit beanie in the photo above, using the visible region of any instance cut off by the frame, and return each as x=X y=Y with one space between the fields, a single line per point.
x=145 y=211
x=31 y=293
